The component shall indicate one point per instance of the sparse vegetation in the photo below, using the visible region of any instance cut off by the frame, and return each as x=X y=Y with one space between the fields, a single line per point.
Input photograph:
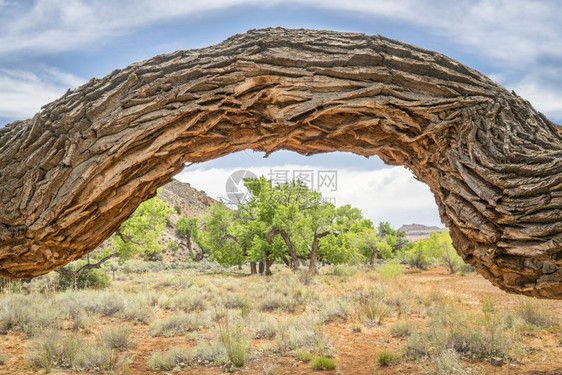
x=178 y=324
x=3 y=358
x=426 y=326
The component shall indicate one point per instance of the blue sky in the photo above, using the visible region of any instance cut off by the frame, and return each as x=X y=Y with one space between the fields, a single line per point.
x=48 y=46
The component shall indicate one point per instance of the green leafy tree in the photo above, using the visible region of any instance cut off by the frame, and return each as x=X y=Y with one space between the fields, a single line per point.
x=186 y=229
x=419 y=255
x=441 y=247
x=139 y=234
x=287 y=222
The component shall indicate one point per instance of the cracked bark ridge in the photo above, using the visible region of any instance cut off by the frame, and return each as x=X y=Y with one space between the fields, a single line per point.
x=71 y=174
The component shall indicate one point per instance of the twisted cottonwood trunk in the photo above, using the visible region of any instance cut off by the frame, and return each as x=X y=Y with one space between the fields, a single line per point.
x=70 y=175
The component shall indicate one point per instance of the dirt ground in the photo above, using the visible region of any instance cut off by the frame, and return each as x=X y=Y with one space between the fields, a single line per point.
x=356 y=352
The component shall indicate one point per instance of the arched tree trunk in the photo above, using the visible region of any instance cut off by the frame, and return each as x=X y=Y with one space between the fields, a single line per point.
x=70 y=175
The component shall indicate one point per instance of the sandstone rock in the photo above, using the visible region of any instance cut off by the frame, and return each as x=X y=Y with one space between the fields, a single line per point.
x=70 y=175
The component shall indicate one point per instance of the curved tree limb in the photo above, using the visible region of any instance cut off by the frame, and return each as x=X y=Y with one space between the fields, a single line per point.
x=70 y=175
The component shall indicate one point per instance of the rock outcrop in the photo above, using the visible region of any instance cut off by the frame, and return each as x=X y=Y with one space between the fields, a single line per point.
x=71 y=174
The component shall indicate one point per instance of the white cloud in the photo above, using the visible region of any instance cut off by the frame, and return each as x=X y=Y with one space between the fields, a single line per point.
x=24 y=93
x=389 y=194
x=542 y=90
x=516 y=31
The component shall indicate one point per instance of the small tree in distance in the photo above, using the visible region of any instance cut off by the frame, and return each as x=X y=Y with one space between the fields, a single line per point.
x=139 y=234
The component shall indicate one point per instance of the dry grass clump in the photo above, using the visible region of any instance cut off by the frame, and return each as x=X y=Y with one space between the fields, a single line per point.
x=175 y=357
x=52 y=350
x=179 y=324
x=401 y=328
x=536 y=315
x=235 y=341
x=116 y=337
x=31 y=314
x=491 y=335
x=306 y=333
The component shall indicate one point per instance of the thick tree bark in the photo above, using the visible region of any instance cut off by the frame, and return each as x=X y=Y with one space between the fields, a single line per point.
x=290 y=246
x=70 y=175
x=373 y=256
x=253 y=269
x=314 y=251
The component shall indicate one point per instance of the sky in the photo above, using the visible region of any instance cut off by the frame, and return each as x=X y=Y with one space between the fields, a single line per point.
x=49 y=46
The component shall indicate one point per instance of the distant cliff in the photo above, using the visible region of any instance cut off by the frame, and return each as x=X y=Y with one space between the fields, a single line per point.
x=416 y=231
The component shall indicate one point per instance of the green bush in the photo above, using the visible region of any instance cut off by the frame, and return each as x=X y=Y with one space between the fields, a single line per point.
x=303 y=355
x=418 y=256
x=93 y=278
x=386 y=358
x=323 y=363
x=173 y=245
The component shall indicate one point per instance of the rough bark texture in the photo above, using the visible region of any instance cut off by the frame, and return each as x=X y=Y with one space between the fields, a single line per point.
x=70 y=175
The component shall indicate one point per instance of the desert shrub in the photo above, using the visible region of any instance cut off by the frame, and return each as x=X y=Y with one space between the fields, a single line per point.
x=211 y=353
x=534 y=314
x=179 y=324
x=116 y=337
x=43 y=351
x=95 y=357
x=390 y=271
x=82 y=320
x=447 y=363
x=52 y=350
x=303 y=333
x=344 y=270
x=104 y=303
x=401 y=329
x=323 y=363
x=477 y=336
x=3 y=358
x=235 y=341
x=176 y=356
x=189 y=301
x=263 y=326
x=332 y=309
x=30 y=314
x=93 y=278
x=235 y=301
x=375 y=309
x=280 y=302
x=303 y=355
x=138 y=311
x=386 y=358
